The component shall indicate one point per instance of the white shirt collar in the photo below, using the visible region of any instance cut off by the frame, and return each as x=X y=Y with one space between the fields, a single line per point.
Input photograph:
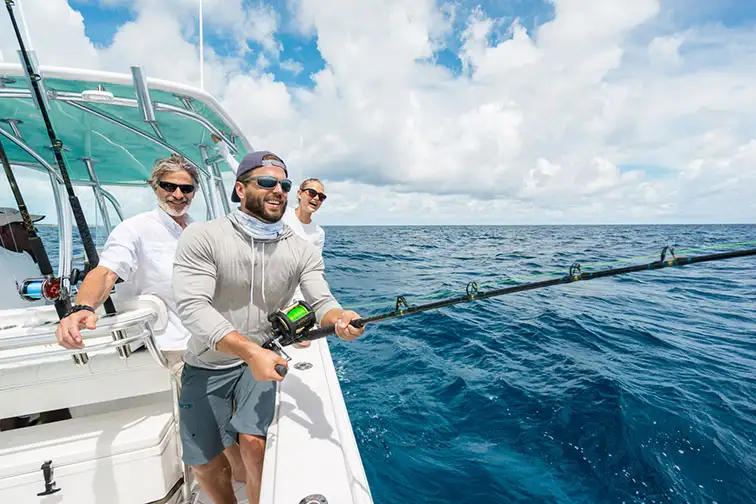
x=168 y=221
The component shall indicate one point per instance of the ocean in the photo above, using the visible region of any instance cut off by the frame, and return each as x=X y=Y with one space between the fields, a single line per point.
x=638 y=388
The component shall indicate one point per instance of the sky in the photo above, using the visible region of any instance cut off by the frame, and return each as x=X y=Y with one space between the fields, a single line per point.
x=456 y=112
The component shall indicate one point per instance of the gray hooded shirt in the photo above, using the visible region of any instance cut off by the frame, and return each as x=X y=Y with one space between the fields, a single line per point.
x=224 y=280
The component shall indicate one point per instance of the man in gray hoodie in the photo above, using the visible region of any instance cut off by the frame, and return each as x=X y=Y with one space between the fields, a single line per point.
x=229 y=274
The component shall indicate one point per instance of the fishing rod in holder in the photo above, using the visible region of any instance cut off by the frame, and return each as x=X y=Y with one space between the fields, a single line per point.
x=295 y=323
x=40 y=99
x=39 y=95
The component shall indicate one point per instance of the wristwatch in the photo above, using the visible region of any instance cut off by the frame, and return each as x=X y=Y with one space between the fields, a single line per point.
x=78 y=308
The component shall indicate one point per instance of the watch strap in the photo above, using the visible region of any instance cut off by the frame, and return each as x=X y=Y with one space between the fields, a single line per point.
x=78 y=308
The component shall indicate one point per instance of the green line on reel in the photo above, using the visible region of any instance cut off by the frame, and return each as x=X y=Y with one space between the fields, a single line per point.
x=296 y=313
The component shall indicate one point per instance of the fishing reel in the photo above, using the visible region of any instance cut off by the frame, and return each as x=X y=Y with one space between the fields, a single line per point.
x=289 y=326
x=34 y=289
x=48 y=288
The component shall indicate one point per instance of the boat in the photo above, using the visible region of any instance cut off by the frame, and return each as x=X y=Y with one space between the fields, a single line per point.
x=120 y=443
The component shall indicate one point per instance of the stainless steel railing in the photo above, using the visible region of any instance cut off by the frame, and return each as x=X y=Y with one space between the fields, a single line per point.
x=114 y=325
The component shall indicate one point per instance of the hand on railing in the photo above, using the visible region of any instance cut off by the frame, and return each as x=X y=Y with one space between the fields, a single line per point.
x=68 y=331
x=27 y=337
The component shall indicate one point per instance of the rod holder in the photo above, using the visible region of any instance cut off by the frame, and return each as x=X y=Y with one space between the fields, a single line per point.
x=144 y=102
x=143 y=95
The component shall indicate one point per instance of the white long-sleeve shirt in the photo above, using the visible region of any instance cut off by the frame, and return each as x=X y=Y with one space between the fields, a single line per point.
x=141 y=250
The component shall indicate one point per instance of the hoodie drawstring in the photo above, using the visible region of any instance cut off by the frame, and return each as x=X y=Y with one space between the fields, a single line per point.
x=263 y=275
x=252 y=279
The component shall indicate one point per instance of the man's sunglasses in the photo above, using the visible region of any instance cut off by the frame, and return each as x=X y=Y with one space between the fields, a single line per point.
x=268 y=182
x=312 y=193
x=171 y=187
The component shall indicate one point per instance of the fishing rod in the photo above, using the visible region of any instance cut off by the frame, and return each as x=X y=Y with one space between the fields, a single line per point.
x=49 y=286
x=294 y=323
x=57 y=147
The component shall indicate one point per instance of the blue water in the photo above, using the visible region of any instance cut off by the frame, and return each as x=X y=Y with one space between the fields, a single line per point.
x=638 y=388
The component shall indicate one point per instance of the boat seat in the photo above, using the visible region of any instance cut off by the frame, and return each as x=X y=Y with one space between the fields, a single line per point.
x=44 y=383
x=131 y=453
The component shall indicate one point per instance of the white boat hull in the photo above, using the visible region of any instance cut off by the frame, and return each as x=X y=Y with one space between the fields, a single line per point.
x=122 y=443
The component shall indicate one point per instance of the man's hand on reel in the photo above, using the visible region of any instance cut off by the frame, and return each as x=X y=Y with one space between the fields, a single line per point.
x=293 y=324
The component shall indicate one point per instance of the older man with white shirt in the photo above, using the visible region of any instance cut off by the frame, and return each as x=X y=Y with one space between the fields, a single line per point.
x=141 y=249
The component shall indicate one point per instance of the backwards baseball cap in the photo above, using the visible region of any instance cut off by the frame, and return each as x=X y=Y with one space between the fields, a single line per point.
x=9 y=215
x=255 y=160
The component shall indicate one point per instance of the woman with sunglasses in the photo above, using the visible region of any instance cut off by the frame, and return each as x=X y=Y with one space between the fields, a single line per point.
x=311 y=197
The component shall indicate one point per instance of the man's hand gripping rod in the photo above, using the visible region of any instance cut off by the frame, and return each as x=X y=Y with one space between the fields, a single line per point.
x=294 y=324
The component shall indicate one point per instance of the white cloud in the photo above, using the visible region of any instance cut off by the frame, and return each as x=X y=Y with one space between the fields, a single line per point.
x=292 y=66
x=55 y=30
x=665 y=51
x=535 y=129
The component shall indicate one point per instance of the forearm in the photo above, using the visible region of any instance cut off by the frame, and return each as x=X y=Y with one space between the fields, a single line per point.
x=237 y=345
x=96 y=287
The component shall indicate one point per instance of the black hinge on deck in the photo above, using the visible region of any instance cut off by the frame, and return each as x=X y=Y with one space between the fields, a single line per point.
x=47 y=472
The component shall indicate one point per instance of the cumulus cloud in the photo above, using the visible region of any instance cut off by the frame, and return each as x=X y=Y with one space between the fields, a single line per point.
x=601 y=114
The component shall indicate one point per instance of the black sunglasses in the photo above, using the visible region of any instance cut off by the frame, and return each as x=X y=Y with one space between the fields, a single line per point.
x=312 y=192
x=268 y=182
x=171 y=187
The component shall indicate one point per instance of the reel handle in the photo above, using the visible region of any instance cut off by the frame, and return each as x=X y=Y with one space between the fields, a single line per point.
x=281 y=369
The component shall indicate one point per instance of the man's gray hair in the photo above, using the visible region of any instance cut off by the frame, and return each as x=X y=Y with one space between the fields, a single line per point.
x=172 y=164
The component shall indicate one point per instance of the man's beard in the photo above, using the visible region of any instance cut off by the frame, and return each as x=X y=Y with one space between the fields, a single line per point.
x=172 y=211
x=255 y=206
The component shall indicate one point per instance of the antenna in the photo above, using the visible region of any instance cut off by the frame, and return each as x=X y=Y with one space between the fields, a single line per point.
x=202 y=51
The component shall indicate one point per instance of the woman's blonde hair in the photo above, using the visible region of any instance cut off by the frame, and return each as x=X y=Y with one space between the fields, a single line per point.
x=305 y=181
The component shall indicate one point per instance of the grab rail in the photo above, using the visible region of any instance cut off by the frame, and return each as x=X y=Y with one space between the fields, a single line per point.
x=107 y=325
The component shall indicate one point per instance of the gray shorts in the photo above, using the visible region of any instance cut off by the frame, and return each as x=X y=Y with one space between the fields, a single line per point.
x=218 y=404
